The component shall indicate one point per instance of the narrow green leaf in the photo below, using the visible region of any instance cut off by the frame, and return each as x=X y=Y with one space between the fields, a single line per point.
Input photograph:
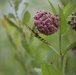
x=16 y=4
x=41 y=39
x=72 y=45
x=11 y=15
x=69 y=10
x=63 y=22
x=25 y=43
x=66 y=7
x=11 y=23
x=26 y=17
x=24 y=10
x=53 y=8
x=48 y=69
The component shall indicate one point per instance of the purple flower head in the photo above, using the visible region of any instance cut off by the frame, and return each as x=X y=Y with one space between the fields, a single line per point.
x=46 y=23
x=72 y=22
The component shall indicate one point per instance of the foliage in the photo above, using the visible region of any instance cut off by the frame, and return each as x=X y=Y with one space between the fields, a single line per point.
x=33 y=55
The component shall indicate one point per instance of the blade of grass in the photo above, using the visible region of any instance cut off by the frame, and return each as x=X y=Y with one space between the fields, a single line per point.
x=53 y=8
x=69 y=10
x=72 y=45
x=11 y=23
x=63 y=22
x=41 y=39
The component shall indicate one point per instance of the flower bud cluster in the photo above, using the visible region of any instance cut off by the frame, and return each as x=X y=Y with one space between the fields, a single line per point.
x=72 y=22
x=46 y=23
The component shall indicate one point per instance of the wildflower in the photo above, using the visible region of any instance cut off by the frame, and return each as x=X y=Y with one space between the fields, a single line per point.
x=72 y=22
x=46 y=23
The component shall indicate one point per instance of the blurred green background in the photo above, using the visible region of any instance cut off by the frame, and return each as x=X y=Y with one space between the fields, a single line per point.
x=24 y=62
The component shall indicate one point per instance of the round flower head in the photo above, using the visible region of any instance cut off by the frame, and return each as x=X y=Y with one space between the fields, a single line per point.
x=72 y=22
x=46 y=23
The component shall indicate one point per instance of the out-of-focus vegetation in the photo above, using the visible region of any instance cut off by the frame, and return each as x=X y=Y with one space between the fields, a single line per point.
x=18 y=59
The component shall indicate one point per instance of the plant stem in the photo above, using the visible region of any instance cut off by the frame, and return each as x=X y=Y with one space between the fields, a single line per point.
x=60 y=43
x=41 y=39
x=54 y=50
x=62 y=65
x=62 y=57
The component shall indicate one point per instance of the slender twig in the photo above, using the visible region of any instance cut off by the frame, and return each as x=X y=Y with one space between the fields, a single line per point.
x=23 y=35
x=41 y=39
x=54 y=50
x=16 y=14
x=62 y=57
x=60 y=43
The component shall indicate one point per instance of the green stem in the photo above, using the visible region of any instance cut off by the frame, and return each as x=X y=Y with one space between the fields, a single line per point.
x=62 y=65
x=54 y=50
x=62 y=57
x=41 y=39
x=60 y=43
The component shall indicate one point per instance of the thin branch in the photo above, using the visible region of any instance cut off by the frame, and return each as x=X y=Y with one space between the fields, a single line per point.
x=41 y=39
